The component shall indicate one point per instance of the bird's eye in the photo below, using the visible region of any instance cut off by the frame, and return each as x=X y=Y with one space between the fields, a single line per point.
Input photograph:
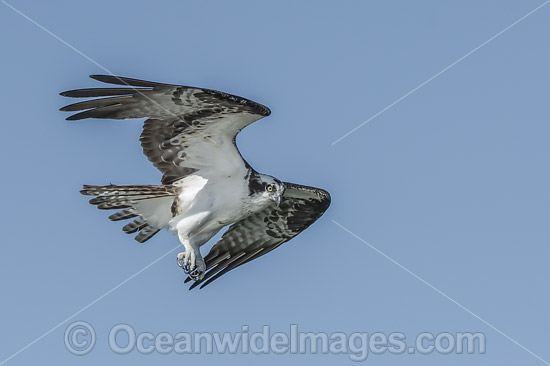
x=269 y=188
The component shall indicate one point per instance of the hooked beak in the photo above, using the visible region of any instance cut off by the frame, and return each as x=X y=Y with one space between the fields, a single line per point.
x=277 y=200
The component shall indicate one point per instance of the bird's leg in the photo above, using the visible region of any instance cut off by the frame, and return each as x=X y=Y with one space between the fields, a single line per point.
x=185 y=258
x=197 y=274
x=191 y=260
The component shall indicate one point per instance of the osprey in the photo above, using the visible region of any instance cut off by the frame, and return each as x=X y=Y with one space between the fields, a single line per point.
x=189 y=135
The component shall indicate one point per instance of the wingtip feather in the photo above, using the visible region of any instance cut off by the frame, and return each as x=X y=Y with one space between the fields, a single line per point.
x=74 y=117
x=106 y=78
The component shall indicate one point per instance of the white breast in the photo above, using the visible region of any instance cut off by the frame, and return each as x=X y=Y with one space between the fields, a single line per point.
x=217 y=202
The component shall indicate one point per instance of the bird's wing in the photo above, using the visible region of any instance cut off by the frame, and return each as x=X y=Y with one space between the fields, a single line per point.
x=188 y=129
x=264 y=231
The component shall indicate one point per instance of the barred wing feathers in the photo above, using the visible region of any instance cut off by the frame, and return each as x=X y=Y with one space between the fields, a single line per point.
x=260 y=233
x=188 y=129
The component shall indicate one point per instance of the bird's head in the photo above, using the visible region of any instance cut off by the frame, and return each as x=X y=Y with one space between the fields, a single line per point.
x=265 y=188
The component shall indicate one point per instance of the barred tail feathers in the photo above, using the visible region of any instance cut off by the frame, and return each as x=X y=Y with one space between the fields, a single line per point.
x=150 y=205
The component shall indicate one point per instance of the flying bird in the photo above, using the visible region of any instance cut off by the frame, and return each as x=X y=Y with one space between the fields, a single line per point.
x=189 y=135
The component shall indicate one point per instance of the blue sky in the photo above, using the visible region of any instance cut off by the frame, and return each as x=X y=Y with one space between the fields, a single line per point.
x=451 y=182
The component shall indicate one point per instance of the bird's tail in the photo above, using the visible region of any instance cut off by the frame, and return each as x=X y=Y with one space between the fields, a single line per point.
x=149 y=204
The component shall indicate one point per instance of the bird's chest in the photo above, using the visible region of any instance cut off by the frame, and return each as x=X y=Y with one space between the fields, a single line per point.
x=221 y=199
x=227 y=202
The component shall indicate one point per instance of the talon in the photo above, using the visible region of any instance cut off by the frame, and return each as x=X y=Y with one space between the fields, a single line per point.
x=196 y=274
x=192 y=265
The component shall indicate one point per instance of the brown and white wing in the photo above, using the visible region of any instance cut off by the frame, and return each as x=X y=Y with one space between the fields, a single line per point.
x=188 y=129
x=260 y=233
